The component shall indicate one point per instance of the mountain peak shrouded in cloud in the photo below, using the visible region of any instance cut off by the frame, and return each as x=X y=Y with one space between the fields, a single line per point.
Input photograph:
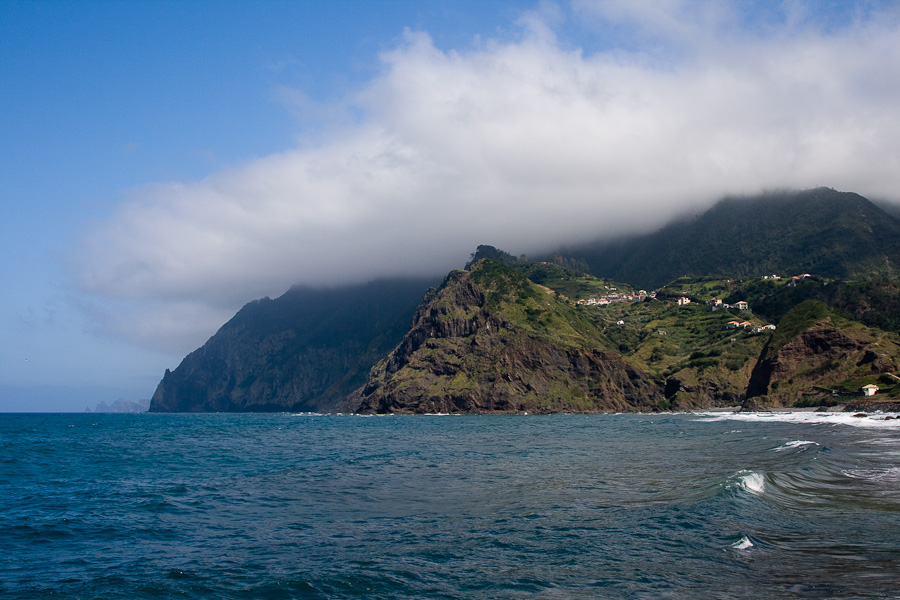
x=531 y=142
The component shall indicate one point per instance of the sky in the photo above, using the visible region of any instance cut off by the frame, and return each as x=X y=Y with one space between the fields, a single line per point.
x=164 y=163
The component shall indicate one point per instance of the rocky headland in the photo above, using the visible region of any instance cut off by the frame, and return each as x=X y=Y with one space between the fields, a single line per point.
x=466 y=353
x=793 y=303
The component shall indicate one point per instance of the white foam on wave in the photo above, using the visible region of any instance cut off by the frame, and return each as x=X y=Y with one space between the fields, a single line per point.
x=886 y=475
x=749 y=481
x=795 y=444
x=754 y=483
x=870 y=421
x=742 y=544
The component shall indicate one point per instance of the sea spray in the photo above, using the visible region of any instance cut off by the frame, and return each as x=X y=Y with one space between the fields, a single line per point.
x=742 y=544
x=795 y=444
x=749 y=481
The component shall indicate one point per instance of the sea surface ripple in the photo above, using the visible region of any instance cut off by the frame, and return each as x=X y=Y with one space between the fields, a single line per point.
x=708 y=505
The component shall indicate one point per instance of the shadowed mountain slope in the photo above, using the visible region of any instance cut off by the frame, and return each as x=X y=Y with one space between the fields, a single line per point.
x=303 y=351
x=820 y=231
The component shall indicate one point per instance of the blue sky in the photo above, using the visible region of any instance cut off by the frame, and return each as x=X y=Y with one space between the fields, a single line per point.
x=164 y=163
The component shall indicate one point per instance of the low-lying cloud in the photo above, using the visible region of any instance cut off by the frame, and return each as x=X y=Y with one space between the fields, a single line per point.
x=523 y=144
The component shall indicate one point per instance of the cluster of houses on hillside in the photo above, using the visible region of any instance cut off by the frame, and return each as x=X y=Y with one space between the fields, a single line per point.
x=794 y=278
x=792 y=282
x=615 y=296
x=715 y=304
x=747 y=325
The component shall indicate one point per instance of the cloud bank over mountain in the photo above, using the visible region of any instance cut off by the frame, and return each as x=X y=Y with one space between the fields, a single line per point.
x=524 y=143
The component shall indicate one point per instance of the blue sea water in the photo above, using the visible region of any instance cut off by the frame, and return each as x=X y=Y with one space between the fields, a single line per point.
x=563 y=506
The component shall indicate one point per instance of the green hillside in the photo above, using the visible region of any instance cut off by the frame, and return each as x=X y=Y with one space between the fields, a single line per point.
x=821 y=231
x=688 y=317
x=819 y=356
x=491 y=340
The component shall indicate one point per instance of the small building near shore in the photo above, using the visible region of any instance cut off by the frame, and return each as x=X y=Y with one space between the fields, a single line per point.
x=869 y=390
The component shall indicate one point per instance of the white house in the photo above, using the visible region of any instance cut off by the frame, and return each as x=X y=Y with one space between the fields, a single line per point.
x=869 y=390
x=684 y=300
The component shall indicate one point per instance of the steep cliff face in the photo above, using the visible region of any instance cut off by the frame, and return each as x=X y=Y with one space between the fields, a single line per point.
x=304 y=351
x=698 y=388
x=816 y=352
x=491 y=341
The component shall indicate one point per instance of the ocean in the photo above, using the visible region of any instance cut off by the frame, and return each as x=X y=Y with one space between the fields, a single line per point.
x=708 y=505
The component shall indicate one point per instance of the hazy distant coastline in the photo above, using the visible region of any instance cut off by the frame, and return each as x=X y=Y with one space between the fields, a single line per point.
x=121 y=406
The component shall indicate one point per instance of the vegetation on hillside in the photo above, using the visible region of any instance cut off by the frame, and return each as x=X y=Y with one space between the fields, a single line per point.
x=697 y=353
x=786 y=299
x=833 y=234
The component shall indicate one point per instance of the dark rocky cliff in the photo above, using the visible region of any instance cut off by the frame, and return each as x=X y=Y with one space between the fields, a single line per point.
x=490 y=341
x=304 y=351
x=818 y=352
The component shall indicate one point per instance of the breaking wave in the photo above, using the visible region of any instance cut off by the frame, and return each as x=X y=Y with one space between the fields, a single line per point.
x=890 y=421
x=742 y=544
x=749 y=481
x=795 y=444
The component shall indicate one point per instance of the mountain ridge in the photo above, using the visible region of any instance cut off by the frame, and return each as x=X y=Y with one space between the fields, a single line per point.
x=512 y=335
x=303 y=351
x=823 y=231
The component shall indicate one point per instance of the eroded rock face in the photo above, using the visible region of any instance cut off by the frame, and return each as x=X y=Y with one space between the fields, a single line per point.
x=820 y=357
x=463 y=356
x=705 y=394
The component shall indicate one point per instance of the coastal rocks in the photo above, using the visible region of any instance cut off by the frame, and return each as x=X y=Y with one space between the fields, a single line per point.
x=870 y=406
x=471 y=350
x=691 y=389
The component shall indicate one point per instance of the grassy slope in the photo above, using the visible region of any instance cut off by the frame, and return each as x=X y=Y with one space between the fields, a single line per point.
x=529 y=319
x=688 y=343
x=809 y=378
x=537 y=309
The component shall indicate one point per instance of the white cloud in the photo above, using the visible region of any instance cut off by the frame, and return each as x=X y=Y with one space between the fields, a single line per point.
x=524 y=145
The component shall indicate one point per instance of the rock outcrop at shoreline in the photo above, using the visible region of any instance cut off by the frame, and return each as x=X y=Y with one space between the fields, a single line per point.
x=483 y=343
x=873 y=405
